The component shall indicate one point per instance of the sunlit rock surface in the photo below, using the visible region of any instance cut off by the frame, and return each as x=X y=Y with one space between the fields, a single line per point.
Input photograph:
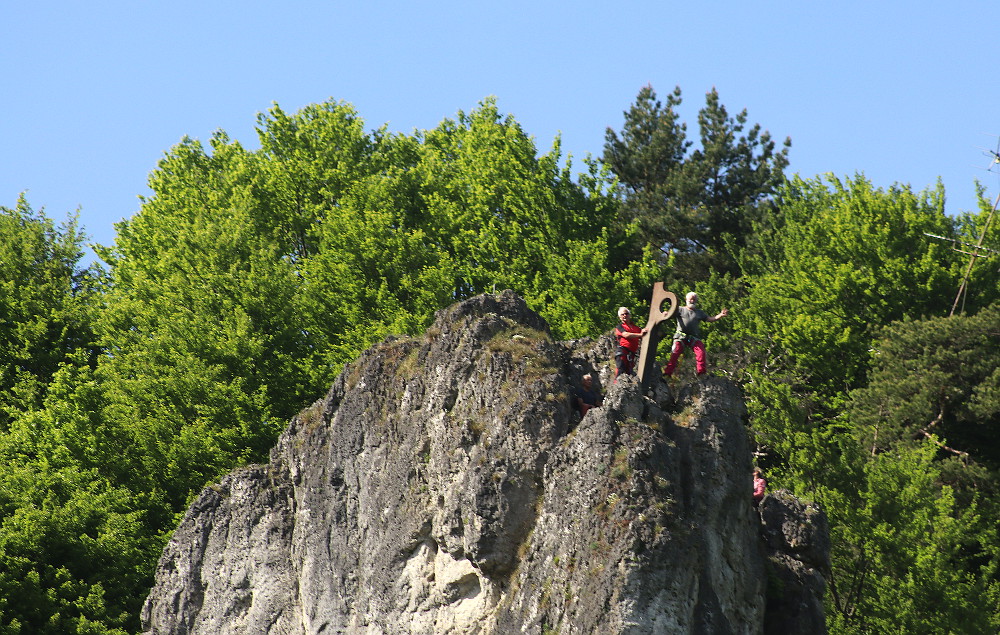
x=445 y=485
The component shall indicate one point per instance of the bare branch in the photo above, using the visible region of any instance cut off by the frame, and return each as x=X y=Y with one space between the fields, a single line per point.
x=963 y=455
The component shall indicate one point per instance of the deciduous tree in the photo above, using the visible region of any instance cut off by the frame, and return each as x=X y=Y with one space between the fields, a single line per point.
x=46 y=304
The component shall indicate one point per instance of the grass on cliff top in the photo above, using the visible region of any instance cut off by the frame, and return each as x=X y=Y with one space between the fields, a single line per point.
x=524 y=343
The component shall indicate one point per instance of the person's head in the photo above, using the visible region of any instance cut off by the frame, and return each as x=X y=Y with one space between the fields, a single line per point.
x=692 y=298
x=587 y=380
x=624 y=314
x=757 y=473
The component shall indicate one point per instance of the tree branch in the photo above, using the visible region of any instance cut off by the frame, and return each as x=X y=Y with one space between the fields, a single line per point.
x=938 y=419
x=924 y=433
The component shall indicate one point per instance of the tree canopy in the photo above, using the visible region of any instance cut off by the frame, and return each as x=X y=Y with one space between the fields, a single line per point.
x=46 y=304
x=696 y=206
x=866 y=398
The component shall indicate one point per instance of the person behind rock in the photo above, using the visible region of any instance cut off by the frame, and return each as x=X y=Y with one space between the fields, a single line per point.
x=759 y=486
x=586 y=396
x=689 y=319
x=628 y=337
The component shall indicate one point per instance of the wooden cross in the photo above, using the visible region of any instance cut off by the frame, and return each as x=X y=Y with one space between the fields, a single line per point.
x=647 y=352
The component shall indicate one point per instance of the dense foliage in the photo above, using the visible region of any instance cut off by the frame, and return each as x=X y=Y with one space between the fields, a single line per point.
x=249 y=278
x=867 y=398
x=46 y=303
x=696 y=207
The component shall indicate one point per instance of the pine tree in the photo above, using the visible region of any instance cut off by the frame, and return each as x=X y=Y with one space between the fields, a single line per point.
x=695 y=207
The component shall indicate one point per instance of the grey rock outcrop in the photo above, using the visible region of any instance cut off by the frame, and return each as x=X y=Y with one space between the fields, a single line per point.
x=445 y=485
x=798 y=543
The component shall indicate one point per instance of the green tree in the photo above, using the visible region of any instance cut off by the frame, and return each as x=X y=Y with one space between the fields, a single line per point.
x=208 y=355
x=941 y=377
x=921 y=540
x=75 y=550
x=74 y=547
x=46 y=304
x=699 y=206
x=848 y=259
x=510 y=218
x=901 y=550
x=972 y=230
x=847 y=364
x=466 y=208
x=309 y=161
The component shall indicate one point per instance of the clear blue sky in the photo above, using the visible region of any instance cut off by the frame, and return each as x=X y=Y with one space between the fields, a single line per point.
x=94 y=93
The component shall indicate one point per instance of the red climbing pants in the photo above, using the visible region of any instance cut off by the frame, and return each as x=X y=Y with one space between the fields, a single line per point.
x=699 y=357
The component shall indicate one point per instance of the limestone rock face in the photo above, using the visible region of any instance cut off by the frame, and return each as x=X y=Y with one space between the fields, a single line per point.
x=798 y=542
x=445 y=485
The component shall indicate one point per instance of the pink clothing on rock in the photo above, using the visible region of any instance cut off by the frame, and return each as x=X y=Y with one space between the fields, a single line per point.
x=759 y=485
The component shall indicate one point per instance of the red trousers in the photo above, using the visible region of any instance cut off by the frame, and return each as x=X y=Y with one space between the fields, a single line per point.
x=699 y=357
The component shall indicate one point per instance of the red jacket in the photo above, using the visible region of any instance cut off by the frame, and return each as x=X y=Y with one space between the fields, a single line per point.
x=632 y=344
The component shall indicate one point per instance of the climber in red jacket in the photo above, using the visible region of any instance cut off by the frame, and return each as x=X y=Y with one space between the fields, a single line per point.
x=629 y=337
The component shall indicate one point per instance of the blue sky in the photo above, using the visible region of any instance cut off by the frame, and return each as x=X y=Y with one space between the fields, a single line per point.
x=95 y=93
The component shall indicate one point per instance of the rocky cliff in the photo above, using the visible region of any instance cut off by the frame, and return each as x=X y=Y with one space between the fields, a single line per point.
x=445 y=485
